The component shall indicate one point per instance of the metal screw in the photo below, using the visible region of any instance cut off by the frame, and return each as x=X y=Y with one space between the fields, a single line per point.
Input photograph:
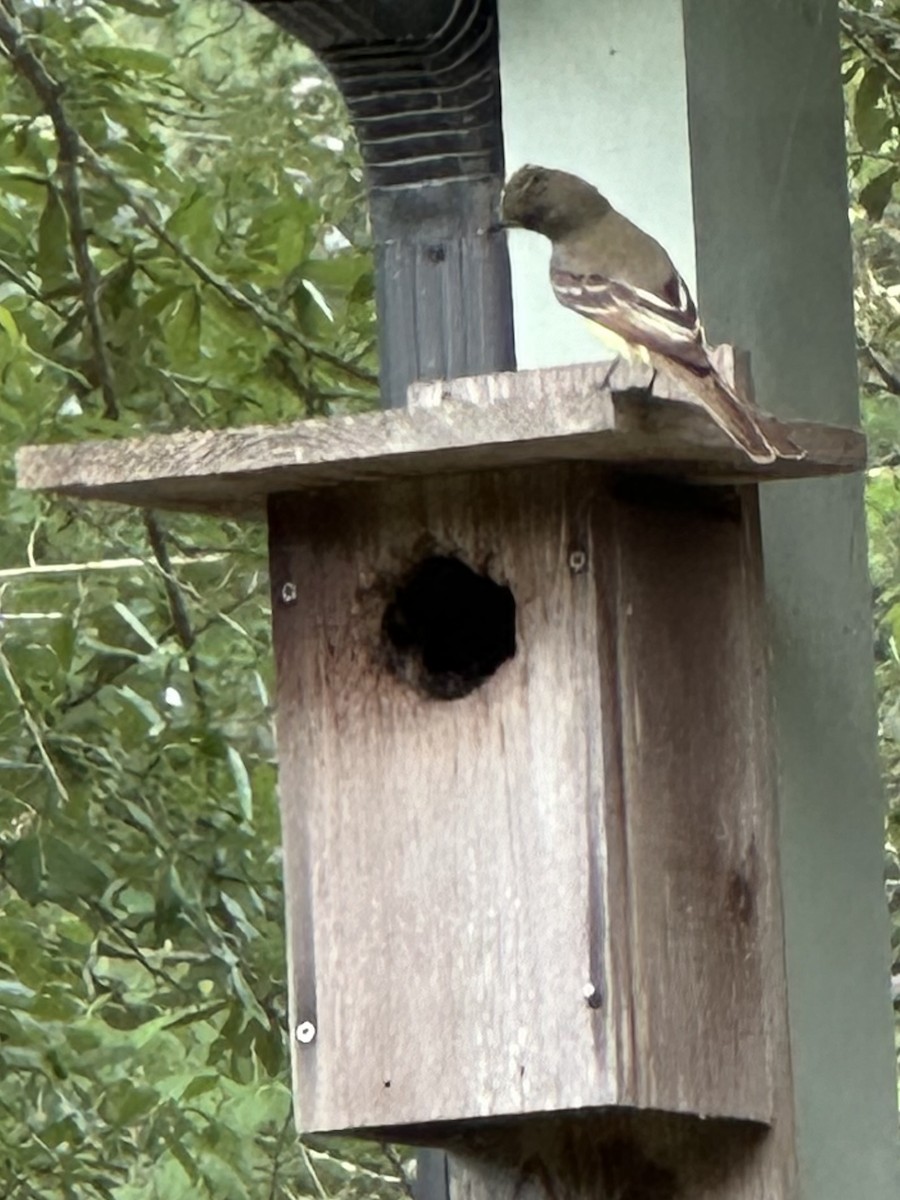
x=577 y=562
x=592 y=995
x=305 y=1032
x=289 y=593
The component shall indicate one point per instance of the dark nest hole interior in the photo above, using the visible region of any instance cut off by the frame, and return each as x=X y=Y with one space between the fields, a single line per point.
x=448 y=628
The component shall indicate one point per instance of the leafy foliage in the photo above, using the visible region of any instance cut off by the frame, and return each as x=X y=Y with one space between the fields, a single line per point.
x=871 y=31
x=183 y=243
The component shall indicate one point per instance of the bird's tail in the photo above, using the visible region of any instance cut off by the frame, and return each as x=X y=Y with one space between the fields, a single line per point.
x=734 y=416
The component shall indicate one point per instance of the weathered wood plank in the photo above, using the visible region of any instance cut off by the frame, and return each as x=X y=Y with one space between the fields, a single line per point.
x=699 y=815
x=596 y=815
x=589 y=412
x=624 y=1156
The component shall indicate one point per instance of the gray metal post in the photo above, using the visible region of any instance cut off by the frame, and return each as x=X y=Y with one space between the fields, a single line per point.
x=717 y=124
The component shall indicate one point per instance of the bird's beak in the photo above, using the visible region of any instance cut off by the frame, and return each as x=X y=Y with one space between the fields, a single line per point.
x=500 y=222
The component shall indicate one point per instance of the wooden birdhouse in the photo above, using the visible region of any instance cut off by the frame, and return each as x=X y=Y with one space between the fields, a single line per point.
x=523 y=738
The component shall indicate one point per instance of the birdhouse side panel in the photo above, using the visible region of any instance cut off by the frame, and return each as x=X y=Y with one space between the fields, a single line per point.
x=701 y=929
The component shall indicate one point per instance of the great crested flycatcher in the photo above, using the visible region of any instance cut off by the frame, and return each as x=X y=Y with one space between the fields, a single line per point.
x=605 y=268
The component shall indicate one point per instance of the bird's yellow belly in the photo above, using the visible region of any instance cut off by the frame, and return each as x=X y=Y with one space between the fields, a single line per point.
x=616 y=344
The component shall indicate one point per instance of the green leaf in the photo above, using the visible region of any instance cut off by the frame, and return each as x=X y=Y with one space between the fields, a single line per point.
x=135 y=623
x=52 y=261
x=146 y=8
x=23 y=867
x=126 y=1101
x=194 y=220
x=14 y=994
x=150 y=714
x=9 y=326
x=241 y=782
x=876 y=195
x=62 y=640
x=199 y=1085
x=183 y=328
x=869 y=119
x=21 y=1058
x=132 y=58
x=70 y=873
x=238 y=916
x=148 y=1031
x=252 y=1009
x=140 y=817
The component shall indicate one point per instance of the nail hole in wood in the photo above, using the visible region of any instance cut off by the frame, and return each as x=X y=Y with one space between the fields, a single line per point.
x=448 y=628
x=741 y=898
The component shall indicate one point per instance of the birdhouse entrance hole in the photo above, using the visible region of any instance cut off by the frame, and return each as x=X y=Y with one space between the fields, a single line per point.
x=448 y=628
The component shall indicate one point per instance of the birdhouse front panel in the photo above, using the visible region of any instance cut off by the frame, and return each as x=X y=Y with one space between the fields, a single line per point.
x=527 y=827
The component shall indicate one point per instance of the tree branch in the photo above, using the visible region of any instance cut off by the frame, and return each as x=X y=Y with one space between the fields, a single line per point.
x=73 y=150
x=869 y=24
x=193 y=47
x=276 y=1156
x=50 y=94
x=107 y=564
x=33 y=728
x=238 y=299
x=888 y=377
x=29 y=289
x=181 y=618
x=396 y=1162
x=867 y=31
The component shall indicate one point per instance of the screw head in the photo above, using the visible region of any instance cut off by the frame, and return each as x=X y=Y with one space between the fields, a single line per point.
x=593 y=997
x=305 y=1032
x=577 y=562
x=289 y=593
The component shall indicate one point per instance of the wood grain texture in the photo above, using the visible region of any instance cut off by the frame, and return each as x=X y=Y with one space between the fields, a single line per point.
x=622 y=1156
x=443 y=298
x=597 y=813
x=597 y=411
x=689 y=674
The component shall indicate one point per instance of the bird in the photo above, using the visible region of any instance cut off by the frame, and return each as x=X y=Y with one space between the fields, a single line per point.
x=610 y=271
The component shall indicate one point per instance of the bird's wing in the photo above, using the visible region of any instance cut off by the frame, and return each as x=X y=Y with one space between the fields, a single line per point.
x=671 y=329
x=668 y=326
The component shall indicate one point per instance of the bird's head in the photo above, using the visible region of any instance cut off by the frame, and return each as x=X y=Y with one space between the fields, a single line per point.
x=554 y=203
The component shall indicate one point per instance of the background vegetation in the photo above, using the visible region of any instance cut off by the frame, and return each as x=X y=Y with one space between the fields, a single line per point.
x=168 y=259
x=871 y=51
